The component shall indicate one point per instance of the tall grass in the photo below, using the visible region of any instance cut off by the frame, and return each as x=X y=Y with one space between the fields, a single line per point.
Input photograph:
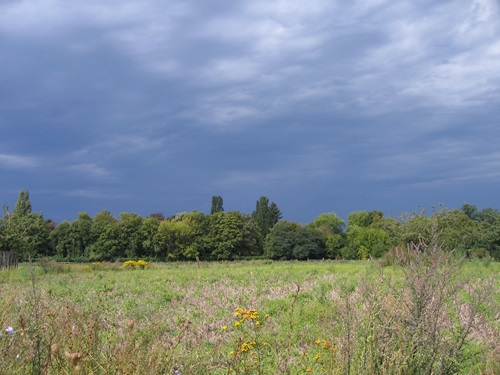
x=428 y=314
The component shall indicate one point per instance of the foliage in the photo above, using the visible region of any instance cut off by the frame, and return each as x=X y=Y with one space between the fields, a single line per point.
x=288 y=240
x=235 y=235
x=217 y=204
x=265 y=215
x=223 y=234
x=331 y=229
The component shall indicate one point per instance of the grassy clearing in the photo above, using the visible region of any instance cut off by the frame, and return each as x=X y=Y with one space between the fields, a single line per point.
x=294 y=318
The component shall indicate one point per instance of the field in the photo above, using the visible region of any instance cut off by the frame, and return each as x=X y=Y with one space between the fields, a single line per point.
x=432 y=315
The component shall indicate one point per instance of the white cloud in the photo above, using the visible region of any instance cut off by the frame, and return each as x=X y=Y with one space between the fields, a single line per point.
x=18 y=161
x=95 y=194
x=90 y=170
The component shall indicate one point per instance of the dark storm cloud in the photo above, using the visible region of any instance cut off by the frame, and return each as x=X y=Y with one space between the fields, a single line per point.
x=326 y=106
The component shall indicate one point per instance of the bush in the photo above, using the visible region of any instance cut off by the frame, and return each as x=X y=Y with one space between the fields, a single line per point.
x=132 y=264
x=420 y=324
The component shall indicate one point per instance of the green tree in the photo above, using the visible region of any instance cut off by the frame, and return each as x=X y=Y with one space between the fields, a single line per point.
x=174 y=238
x=251 y=244
x=81 y=237
x=275 y=214
x=108 y=245
x=181 y=237
x=25 y=232
x=331 y=229
x=148 y=237
x=366 y=235
x=265 y=215
x=289 y=240
x=223 y=234
x=129 y=226
x=470 y=211
x=217 y=204
x=61 y=240
x=366 y=242
x=23 y=204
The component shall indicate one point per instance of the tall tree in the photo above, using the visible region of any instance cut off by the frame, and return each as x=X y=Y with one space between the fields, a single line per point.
x=25 y=232
x=275 y=214
x=266 y=215
x=217 y=204
x=23 y=204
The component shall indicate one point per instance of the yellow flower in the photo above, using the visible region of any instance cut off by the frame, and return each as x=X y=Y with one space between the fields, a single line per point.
x=317 y=356
x=264 y=343
x=257 y=323
x=267 y=316
x=317 y=342
x=224 y=328
x=231 y=352
x=309 y=369
x=236 y=324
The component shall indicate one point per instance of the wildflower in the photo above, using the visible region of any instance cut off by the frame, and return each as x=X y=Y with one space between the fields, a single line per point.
x=267 y=316
x=9 y=330
x=236 y=324
x=309 y=369
x=239 y=311
x=317 y=356
x=257 y=323
x=231 y=352
x=224 y=328
x=264 y=343
x=250 y=314
x=317 y=342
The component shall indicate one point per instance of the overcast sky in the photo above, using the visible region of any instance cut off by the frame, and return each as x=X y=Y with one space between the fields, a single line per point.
x=321 y=105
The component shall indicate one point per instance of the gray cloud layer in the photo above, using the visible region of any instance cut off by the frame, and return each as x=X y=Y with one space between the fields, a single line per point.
x=326 y=106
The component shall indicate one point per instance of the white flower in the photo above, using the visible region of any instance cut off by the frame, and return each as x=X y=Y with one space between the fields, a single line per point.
x=10 y=330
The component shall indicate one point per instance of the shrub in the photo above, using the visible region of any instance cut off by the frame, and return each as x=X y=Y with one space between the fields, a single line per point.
x=132 y=264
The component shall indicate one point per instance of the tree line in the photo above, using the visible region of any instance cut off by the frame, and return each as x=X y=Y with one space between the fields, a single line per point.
x=234 y=235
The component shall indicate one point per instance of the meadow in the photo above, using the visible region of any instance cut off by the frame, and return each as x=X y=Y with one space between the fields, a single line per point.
x=431 y=314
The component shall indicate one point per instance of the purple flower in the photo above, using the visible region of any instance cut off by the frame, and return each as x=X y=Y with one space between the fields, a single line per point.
x=9 y=330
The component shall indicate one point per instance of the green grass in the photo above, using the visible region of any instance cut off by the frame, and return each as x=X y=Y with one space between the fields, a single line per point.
x=103 y=319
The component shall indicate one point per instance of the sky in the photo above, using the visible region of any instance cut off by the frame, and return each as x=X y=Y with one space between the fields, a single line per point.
x=152 y=106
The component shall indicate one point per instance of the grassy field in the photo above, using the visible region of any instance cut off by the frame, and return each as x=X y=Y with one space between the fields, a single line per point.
x=256 y=317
